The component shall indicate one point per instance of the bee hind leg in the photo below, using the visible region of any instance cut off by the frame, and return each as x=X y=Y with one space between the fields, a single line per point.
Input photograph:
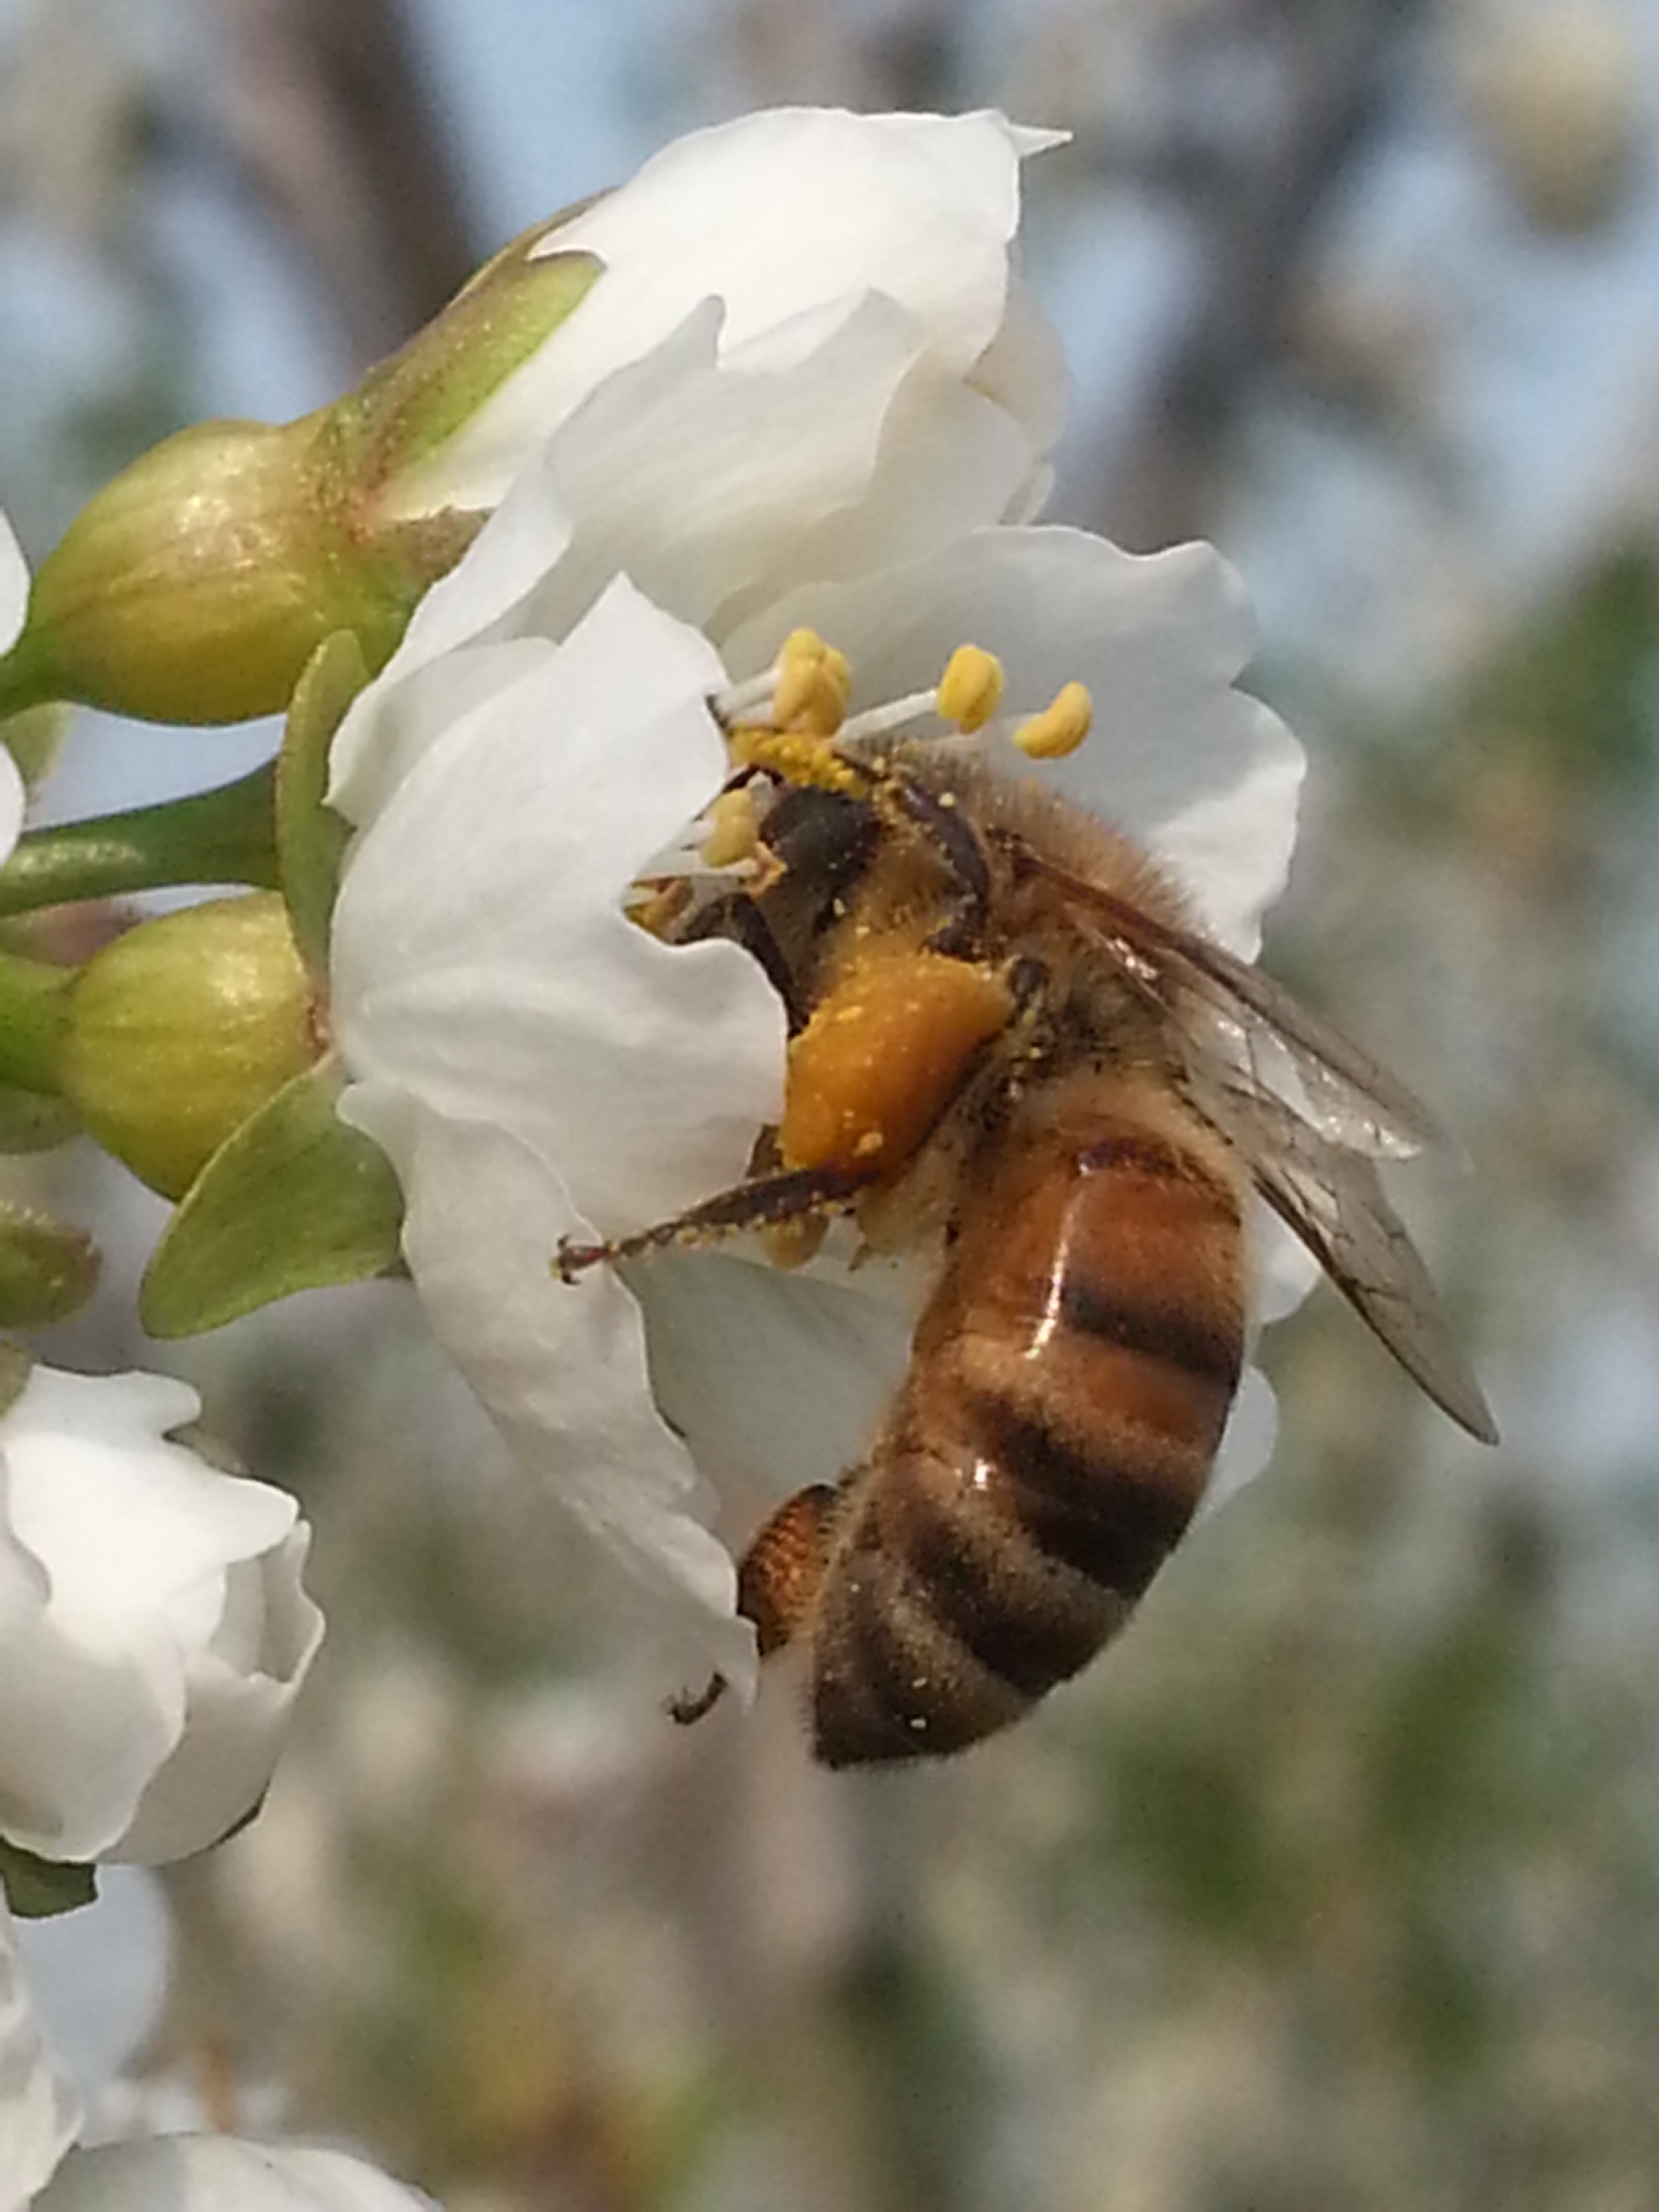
x=778 y=1581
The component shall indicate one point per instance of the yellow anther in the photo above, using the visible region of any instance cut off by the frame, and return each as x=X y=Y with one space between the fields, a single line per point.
x=1062 y=726
x=733 y=830
x=814 y=681
x=970 y=690
x=836 y=670
x=800 y=681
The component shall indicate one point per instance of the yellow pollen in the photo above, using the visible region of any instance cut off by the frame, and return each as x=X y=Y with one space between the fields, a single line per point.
x=1062 y=726
x=733 y=831
x=797 y=757
x=970 y=690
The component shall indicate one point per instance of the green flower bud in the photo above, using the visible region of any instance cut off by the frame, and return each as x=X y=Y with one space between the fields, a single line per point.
x=196 y=585
x=182 y=1028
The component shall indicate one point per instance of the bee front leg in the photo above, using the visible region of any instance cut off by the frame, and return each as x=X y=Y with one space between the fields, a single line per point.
x=761 y=1204
x=778 y=1581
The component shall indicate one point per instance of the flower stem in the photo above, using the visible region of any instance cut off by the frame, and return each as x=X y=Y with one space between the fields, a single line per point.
x=33 y=1015
x=222 y=836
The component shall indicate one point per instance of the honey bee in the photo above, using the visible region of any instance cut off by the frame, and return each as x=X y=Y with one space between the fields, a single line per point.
x=1009 y=1039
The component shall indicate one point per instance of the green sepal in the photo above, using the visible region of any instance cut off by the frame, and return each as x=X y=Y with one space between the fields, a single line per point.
x=48 y=1268
x=310 y=837
x=30 y=1121
x=16 y=1365
x=410 y=406
x=294 y=1201
x=34 y=1002
x=35 y=739
x=39 y=1889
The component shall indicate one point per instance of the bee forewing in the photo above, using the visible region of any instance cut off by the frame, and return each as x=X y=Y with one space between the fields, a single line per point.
x=1330 y=1194
x=1342 y=1091
x=1339 y=1107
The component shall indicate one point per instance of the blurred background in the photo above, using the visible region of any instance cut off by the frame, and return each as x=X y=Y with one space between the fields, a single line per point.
x=1338 y=1885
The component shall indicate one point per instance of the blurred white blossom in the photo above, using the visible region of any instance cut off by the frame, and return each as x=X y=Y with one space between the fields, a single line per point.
x=154 y=1634
x=14 y=605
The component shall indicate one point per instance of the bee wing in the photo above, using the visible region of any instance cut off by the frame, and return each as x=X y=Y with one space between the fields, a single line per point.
x=1332 y=1198
x=1308 y=1112
x=1289 y=1050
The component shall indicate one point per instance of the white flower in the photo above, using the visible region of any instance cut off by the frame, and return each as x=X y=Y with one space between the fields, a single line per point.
x=154 y=1634
x=536 y=1068
x=534 y=1065
x=794 y=221
x=14 y=605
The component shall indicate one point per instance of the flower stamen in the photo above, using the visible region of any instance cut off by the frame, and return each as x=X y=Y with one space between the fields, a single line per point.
x=807 y=689
x=1061 y=727
x=813 y=682
x=733 y=830
x=970 y=690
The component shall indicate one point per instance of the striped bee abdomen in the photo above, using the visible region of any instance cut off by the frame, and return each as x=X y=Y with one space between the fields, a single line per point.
x=1070 y=1380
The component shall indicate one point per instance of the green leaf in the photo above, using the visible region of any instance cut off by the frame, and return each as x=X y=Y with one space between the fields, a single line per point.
x=293 y=1202
x=39 y=1889
x=310 y=836
x=48 y=1269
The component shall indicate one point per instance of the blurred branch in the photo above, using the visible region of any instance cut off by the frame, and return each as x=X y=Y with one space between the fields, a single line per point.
x=907 y=54
x=333 y=126
x=1257 y=215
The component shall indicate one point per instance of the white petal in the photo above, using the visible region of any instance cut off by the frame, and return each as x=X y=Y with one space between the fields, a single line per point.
x=482 y=963
x=222 y=2174
x=13 y=585
x=240 y=1690
x=14 y=799
x=393 y=724
x=559 y=1368
x=791 y=218
x=1025 y=371
x=80 y=1733
x=710 y=487
x=776 y=1380
x=1203 y=777
x=123 y=1522
x=39 y=2111
x=1247 y=1443
x=14 y=605
x=714 y=491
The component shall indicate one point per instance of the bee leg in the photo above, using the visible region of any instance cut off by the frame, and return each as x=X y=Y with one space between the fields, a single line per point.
x=778 y=1580
x=760 y=1204
x=735 y=916
x=957 y=843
